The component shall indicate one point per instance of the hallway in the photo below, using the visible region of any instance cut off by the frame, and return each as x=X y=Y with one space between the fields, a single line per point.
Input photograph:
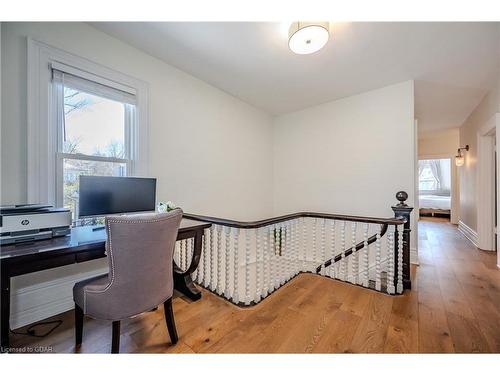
x=454 y=306
x=458 y=290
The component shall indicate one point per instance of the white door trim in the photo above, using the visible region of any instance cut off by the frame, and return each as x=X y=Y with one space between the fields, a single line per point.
x=416 y=210
x=485 y=183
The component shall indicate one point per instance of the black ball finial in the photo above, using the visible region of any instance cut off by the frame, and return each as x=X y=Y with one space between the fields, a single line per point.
x=401 y=196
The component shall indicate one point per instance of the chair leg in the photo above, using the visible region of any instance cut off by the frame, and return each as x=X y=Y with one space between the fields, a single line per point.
x=78 y=325
x=115 y=341
x=169 y=318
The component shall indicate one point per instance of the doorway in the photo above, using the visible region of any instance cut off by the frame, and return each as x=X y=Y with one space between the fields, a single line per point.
x=436 y=185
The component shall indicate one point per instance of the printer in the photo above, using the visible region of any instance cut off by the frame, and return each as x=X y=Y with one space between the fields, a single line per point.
x=30 y=222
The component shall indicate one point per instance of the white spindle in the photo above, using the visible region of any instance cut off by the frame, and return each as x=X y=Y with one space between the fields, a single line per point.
x=266 y=265
x=332 y=253
x=288 y=251
x=188 y=252
x=247 y=267
x=323 y=240
x=354 y=255
x=305 y=245
x=292 y=256
x=295 y=232
x=179 y=253
x=279 y=256
x=390 y=263
x=181 y=258
x=258 y=265
x=315 y=255
x=272 y=257
x=378 y=258
x=183 y=255
x=236 y=275
x=212 y=258
x=342 y=254
x=189 y=248
x=365 y=265
x=206 y=254
x=219 y=260
x=227 y=275
x=297 y=245
x=291 y=249
x=190 y=258
x=282 y=255
x=284 y=251
x=399 y=287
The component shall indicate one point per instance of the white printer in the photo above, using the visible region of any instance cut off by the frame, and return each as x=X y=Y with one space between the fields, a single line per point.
x=29 y=222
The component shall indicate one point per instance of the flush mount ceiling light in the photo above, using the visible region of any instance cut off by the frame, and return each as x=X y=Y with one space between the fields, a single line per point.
x=307 y=37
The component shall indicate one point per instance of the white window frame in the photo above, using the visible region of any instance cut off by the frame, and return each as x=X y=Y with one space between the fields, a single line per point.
x=44 y=158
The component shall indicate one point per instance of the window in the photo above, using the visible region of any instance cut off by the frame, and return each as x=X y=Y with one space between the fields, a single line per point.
x=83 y=118
x=94 y=122
x=427 y=179
x=435 y=176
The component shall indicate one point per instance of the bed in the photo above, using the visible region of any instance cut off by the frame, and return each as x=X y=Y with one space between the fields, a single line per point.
x=434 y=204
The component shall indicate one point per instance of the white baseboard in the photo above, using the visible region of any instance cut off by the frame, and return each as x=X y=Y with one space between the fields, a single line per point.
x=33 y=303
x=414 y=256
x=468 y=232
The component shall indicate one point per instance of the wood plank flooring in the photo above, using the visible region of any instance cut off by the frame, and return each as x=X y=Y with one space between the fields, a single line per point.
x=454 y=306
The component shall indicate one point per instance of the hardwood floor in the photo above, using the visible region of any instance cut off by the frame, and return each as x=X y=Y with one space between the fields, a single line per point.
x=454 y=306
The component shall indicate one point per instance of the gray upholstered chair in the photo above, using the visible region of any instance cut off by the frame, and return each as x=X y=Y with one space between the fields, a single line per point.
x=140 y=250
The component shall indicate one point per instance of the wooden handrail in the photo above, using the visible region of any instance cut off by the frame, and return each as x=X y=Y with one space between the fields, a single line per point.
x=351 y=250
x=279 y=219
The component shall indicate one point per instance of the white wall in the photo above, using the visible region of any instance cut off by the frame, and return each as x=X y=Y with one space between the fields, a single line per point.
x=210 y=151
x=347 y=156
x=207 y=148
x=444 y=142
x=486 y=109
x=476 y=193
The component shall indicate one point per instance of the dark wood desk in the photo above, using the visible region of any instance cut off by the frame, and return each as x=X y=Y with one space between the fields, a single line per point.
x=81 y=245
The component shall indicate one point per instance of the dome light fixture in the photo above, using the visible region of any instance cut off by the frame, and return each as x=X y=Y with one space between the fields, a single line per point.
x=307 y=37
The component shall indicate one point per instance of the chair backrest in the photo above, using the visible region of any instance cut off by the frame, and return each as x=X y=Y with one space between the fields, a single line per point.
x=140 y=250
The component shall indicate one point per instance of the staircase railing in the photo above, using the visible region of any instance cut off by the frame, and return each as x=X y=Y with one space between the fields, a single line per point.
x=245 y=262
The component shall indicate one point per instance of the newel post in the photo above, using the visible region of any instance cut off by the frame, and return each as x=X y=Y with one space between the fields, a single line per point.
x=403 y=210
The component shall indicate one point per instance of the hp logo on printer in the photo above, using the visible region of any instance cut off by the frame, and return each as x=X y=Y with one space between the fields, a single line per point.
x=25 y=222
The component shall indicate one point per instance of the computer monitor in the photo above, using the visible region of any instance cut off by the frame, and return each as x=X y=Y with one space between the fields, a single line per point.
x=102 y=195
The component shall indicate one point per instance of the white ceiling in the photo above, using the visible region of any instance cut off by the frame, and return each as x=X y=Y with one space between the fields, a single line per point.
x=453 y=64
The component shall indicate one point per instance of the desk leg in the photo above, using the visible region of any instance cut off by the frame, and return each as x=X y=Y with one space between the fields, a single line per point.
x=183 y=281
x=5 y=301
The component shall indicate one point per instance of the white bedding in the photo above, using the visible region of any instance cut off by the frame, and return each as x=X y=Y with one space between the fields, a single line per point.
x=435 y=202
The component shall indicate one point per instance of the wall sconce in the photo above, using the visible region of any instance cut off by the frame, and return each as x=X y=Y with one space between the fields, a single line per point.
x=460 y=158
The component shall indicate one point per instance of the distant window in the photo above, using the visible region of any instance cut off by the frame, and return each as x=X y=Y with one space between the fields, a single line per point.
x=427 y=179
x=435 y=176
